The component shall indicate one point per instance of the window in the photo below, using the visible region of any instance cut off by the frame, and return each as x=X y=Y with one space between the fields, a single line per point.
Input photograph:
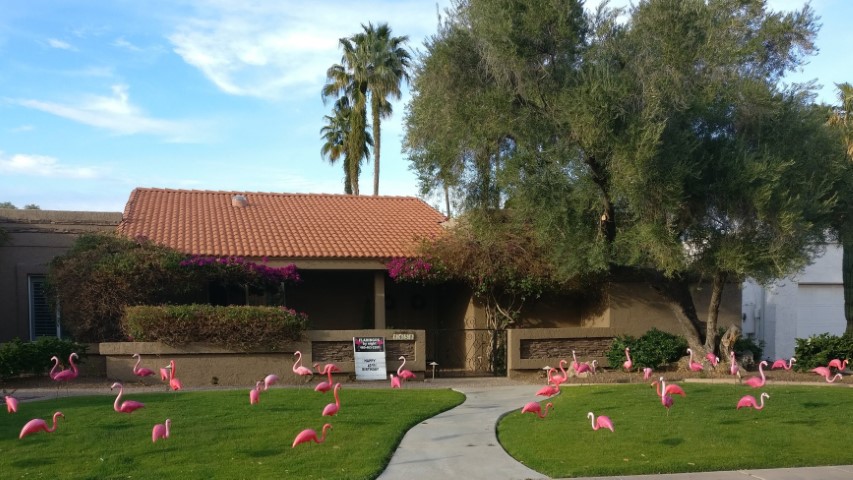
x=43 y=322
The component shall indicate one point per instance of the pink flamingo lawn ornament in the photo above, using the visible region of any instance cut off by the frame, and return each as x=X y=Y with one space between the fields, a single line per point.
x=39 y=425
x=404 y=374
x=395 y=381
x=749 y=401
x=299 y=369
x=665 y=398
x=756 y=382
x=164 y=374
x=694 y=366
x=137 y=370
x=332 y=409
x=587 y=368
x=536 y=407
x=671 y=389
x=128 y=406
x=602 y=421
x=734 y=368
x=255 y=393
x=11 y=404
x=826 y=373
x=838 y=364
x=174 y=383
x=647 y=373
x=712 y=359
x=780 y=363
x=161 y=430
x=69 y=373
x=270 y=380
x=53 y=371
x=305 y=436
x=325 y=385
x=560 y=379
x=628 y=364
x=548 y=391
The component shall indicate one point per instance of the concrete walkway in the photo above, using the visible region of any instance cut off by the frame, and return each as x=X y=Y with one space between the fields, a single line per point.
x=462 y=443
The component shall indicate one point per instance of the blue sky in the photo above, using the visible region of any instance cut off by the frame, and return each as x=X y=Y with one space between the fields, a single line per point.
x=97 y=98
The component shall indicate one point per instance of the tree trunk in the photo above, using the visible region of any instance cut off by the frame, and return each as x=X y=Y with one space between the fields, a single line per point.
x=376 y=144
x=447 y=199
x=714 y=310
x=847 y=279
x=677 y=292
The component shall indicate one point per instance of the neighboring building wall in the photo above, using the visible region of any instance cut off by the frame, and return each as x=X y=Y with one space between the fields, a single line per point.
x=805 y=304
x=35 y=238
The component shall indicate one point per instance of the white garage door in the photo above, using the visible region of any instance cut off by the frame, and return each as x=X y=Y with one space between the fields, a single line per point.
x=820 y=309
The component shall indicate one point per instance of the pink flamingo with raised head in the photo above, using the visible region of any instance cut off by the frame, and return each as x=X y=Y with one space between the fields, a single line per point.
x=665 y=398
x=628 y=364
x=712 y=359
x=39 y=425
x=139 y=371
x=299 y=369
x=308 y=434
x=270 y=380
x=734 y=368
x=53 y=371
x=404 y=374
x=647 y=373
x=128 y=406
x=560 y=379
x=671 y=389
x=332 y=409
x=255 y=393
x=325 y=385
x=11 y=404
x=826 y=373
x=161 y=430
x=69 y=373
x=749 y=401
x=694 y=366
x=602 y=421
x=395 y=381
x=780 y=363
x=535 y=407
x=756 y=382
x=838 y=364
x=174 y=383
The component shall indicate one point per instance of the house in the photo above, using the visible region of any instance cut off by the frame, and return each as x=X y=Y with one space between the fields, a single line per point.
x=807 y=303
x=34 y=238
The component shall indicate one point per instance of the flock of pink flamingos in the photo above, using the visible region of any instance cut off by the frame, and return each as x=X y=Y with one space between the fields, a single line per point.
x=167 y=374
x=666 y=391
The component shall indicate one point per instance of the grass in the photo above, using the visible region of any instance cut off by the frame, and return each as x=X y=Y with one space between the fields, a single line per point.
x=217 y=435
x=799 y=426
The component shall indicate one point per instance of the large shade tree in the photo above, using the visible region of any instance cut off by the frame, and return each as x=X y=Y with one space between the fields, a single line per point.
x=661 y=144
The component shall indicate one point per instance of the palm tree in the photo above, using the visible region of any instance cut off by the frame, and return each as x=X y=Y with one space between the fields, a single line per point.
x=841 y=119
x=339 y=81
x=335 y=134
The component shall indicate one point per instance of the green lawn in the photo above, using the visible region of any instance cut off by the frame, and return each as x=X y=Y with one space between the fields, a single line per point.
x=799 y=426
x=216 y=434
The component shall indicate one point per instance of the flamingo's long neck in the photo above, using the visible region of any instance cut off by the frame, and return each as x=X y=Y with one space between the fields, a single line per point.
x=116 y=405
x=690 y=351
x=761 y=371
x=400 y=368
x=53 y=428
x=168 y=426
x=563 y=368
x=55 y=366
x=833 y=379
x=574 y=358
x=592 y=420
x=136 y=367
x=337 y=400
x=323 y=438
x=298 y=361
x=628 y=354
x=544 y=411
x=550 y=372
x=71 y=361
x=171 y=370
x=759 y=407
x=329 y=372
x=662 y=392
x=657 y=387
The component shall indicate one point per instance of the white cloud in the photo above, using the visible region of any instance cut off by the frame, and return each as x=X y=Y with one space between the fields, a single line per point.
x=43 y=166
x=22 y=129
x=120 y=42
x=271 y=49
x=55 y=43
x=117 y=114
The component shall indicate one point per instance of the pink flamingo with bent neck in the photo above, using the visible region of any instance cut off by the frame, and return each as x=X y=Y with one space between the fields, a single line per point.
x=671 y=389
x=174 y=383
x=586 y=367
x=39 y=425
x=404 y=374
x=838 y=364
x=602 y=421
x=161 y=430
x=270 y=380
x=826 y=373
x=536 y=407
x=128 y=406
x=756 y=382
x=395 y=381
x=694 y=366
x=665 y=398
x=557 y=380
x=69 y=373
x=333 y=408
x=53 y=371
x=255 y=393
x=712 y=359
x=780 y=363
x=548 y=390
x=628 y=364
x=299 y=369
x=308 y=434
x=11 y=404
x=325 y=385
x=734 y=368
x=749 y=401
x=137 y=370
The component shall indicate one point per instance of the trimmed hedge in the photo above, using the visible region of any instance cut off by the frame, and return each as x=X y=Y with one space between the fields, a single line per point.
x=21 y=358
x=818 y=350
x=240 y=328
x=654 y=349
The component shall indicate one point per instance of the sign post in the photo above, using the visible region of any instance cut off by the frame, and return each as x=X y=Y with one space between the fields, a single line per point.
x=369 y=358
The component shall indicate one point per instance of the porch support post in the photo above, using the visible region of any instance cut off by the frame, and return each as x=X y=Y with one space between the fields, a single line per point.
x=379 y=299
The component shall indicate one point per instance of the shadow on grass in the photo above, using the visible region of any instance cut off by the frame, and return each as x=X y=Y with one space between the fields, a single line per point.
x=815 y=404
x=32 y=463
x=672 y=442
x=267 y=452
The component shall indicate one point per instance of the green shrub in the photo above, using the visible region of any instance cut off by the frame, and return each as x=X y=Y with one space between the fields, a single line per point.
x=654 y=349
x=818 y=350
x=238 y=328
x=21 y=358
x=744 y=344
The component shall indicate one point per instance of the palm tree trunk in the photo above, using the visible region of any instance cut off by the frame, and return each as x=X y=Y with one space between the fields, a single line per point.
x=714 y=310
x=847 y=279
x=376 y=142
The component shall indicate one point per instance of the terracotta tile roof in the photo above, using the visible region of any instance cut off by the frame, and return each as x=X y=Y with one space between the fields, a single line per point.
x=280 y=225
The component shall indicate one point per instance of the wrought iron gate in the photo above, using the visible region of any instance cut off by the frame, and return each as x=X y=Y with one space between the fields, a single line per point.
x=467 y=352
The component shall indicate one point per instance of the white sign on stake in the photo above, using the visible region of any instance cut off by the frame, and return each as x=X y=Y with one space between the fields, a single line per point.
x=369 y=358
